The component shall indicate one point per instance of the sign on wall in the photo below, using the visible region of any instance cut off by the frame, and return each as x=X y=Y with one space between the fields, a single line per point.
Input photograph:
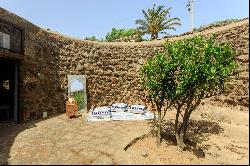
x=4 y=40
x=11 y=37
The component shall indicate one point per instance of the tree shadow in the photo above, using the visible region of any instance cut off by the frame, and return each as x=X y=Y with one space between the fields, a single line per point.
x=198 y=132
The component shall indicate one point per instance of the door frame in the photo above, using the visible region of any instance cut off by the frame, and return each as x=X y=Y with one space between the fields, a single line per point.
x=17 y=58
x=15 y=99
x=16 y=96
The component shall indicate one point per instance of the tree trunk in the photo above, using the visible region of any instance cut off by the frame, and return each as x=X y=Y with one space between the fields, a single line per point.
x=154 y=120
x=159 y=129
x=187 y=121
x=154 y=115
x=155 y=125
x=180 y=139
x=152 y=36
x=156 y=35
x=192 y=108
x=179 y=132
x=177 y=120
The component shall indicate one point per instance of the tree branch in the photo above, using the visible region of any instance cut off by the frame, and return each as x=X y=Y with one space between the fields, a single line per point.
x=165 y=110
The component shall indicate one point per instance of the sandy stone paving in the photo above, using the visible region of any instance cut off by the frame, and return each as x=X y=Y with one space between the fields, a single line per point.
x=59 y=140
x=221 y=132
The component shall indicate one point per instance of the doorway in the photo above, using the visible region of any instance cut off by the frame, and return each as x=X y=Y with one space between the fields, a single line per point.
x=9 y=90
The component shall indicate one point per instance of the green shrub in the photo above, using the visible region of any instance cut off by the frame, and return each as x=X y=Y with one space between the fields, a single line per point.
x=188 y=71
x=155 y=76
x=116 y=34
x=202 y=66
x=79 y=97
x=92 y=38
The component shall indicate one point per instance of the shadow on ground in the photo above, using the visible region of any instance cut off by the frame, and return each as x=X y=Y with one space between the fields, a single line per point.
x=36 y=40
x=198 y=132
x=9 y=131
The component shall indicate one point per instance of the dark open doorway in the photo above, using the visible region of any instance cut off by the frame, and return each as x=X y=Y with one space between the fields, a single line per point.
x=9 y=90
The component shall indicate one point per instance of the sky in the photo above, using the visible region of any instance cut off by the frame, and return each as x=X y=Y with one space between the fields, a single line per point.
x=76 y=86
x=85 y=18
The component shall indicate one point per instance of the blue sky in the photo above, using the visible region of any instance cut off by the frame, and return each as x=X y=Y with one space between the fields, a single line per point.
x=76 y=86
x=81 y=18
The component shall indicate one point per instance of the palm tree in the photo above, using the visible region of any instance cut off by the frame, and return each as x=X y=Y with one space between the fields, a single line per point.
x=156 y=21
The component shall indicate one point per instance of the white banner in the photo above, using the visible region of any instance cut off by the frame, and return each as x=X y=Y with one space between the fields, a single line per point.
x=123 y=116
x=6 y=40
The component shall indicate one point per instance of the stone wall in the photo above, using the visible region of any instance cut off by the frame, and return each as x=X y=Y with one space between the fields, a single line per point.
x=238 y=87
x=39 y=78
x=111 y=69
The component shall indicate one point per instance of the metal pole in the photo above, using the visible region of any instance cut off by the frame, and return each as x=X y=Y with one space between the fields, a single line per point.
x=192 y=15
x=191 y=11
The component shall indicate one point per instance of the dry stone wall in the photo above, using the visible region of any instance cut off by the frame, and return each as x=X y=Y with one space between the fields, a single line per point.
x=238 y=87
x=111 y=69
x=40 y=88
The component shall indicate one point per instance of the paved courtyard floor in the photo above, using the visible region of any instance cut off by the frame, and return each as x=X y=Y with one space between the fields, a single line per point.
x=59 y=140
x=221 y=133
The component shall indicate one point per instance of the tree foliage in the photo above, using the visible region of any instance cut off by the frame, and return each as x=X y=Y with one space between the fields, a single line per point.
x=154 y=76
x=202 y=66
x=91 y=38
x=187 y=72
x=156 y=20
x=79 y=98
x=116 y=34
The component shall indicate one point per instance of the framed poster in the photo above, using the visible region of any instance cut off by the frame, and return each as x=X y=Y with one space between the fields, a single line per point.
x=6 y=41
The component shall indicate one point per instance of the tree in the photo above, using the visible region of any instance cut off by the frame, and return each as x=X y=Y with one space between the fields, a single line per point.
x=130 y=34
x=155 y=78
x=92 y=38
x=156 y=21
x=202 y=66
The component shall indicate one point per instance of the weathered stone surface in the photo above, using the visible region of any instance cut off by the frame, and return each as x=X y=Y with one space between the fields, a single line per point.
x=111 y=69
x=68 y=141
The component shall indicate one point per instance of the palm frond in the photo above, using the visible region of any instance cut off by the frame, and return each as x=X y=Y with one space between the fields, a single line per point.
x=172 y=28
x=173 y=20
x=159 y=10
x=140 y=22
x=156 y=20
x=171 y=25
x=145 y=14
